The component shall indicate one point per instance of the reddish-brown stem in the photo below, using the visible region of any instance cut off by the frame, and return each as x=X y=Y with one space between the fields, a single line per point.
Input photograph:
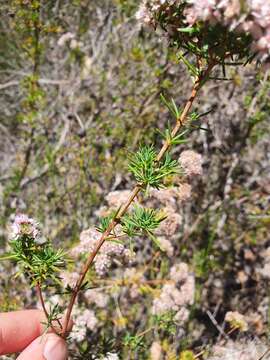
x=39 y=291
x=38 y=288
x=179 y=123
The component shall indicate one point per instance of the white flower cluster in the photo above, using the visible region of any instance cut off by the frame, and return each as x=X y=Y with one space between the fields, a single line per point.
x=109 y=250
x=170 y=196
x=83 y=320
x=176 y=295
x=100 y=299
x=69 y=278
x=232 y=350
x=171 y=224
x=24 y=225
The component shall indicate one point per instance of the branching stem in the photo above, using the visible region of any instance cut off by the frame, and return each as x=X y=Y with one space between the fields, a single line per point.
x=39 y=291
x=180 y=121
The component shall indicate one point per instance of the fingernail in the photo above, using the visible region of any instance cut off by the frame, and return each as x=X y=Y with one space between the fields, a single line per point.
x=55 y=348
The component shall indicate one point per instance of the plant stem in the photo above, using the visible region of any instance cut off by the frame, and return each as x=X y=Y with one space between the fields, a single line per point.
x=38 y=288
x=179 y=123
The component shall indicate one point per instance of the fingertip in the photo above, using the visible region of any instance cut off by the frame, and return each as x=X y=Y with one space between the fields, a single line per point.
x=55 y=348
x=25 y=325
x=59 y=325
x=49 y=347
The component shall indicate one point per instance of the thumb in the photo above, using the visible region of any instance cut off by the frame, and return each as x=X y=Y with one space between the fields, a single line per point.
x=49 y=347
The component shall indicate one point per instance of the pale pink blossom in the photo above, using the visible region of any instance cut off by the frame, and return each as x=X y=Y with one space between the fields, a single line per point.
x=182 y=316
x=102 y=264
x=253 y=18
x=184 y=192
x=191 y=163
x=110 y=249
x=69 y=278
x=203 y=9
x=117 y=198
x=166 y=246
x=93 y=296
x=83 y=320
x=179 y=272
x=24 y=225
x=143 y=14
x=165 y=196
x=177 y=294
x=171 y=224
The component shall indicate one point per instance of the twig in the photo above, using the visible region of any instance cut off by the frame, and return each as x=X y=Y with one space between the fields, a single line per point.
x=263 y=355
x=38 y=288
x=8 y=84
x=214 y=321
x=180 y=121
x=199 y=354
x=145 y=331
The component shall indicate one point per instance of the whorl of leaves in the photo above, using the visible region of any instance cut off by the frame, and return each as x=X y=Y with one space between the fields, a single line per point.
x=148 y=171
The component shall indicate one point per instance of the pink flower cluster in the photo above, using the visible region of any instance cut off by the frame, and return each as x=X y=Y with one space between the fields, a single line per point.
x=109 y=250
x=191 y=163
x=251 y=16
x=116 y=198
x=99 y=298
x=147 y=9
x=83 y=320
x=24 y=225
x=178 y=294
x=172 y=199
x=254 y=18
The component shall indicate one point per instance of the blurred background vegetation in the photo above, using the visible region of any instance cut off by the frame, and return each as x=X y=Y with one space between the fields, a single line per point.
x=80 y=88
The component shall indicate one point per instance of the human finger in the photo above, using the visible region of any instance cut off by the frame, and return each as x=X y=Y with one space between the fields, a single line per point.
x=49 y=347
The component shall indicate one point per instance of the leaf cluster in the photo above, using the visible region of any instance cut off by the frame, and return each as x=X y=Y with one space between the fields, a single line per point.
x=134 y=342
x=141 y=220
x=165 y=322
x=39 y=262
x=148 y=171
x=53 y=316
x=105 y=221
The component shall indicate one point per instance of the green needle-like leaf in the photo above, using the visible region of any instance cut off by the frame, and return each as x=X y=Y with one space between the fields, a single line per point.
x=147 y=171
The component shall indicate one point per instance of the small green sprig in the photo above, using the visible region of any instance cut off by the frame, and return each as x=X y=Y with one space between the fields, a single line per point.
x=133 y=342
x=54 y=315
x=106 y=220
x=39 y=262
x=165 y=322
x=171 y=106
x=147 y=171
x=104 y=223
x=142 y=220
